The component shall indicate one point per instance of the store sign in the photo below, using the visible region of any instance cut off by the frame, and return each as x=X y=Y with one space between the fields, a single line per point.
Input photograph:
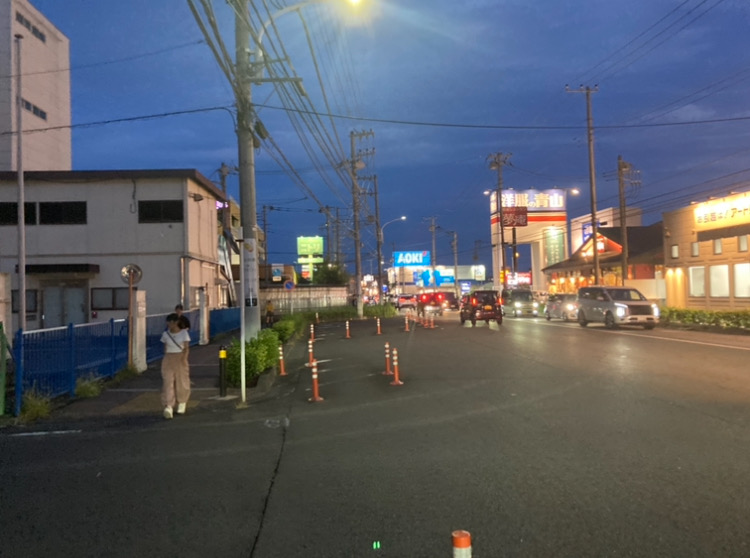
x=408 y=259
x=515 y=216
x=534 y=200
x=309 y=245
x=725 y=212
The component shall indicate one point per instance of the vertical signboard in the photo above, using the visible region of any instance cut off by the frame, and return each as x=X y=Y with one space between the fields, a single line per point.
x=554 y=246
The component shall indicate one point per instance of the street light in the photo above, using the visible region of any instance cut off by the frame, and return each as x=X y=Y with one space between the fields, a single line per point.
x=381 y=238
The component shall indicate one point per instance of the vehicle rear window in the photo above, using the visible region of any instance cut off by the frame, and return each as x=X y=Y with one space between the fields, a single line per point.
x=523 y=295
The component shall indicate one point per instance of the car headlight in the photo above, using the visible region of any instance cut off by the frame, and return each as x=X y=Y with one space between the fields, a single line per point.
x=621 y=310
x=536 y=305
x=517 y=304
x=571 y=307
x=656 y=310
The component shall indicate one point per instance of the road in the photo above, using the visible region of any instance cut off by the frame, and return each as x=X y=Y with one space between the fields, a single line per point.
x=540 y=438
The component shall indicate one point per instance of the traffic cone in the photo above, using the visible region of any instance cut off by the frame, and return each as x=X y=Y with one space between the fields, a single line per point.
x=316 y=395
x=378 y=320
x=407 y=323
x=347 y=330
x=396 y=381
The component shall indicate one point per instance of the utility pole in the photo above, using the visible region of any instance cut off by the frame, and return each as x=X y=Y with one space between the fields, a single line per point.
x=21 y=193
x=379 y=236
x=328 y=233
x=625 y=172
x=455 y=265
x=224 y=171
x=592 y=173
x=337 y=236
x=497 y=162
x=433 y=230
x=353 y=136
x=515 y=254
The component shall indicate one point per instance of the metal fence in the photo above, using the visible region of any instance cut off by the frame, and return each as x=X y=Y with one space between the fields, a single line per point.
x=51 y=361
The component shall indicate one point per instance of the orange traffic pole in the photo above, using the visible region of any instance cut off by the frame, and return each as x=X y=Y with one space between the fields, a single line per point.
x=461 y=544
x=316 y=395
x=407 y=323
x=310 y=358
x=282 y=368
x=317 y=318
x=312 y=332
x=388 y=371
x=378 y=326
x=396 y=381
x=432 y=322
x=347 y=330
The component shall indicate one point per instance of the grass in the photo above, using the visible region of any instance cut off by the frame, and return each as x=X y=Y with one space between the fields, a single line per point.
x=126 y=373
x=35 y=406
x=88 y=387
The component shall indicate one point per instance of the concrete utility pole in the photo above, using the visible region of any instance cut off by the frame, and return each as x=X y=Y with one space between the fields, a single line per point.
x=455 y=265
x=625 y=172
x=21 y=193
x=433 y=230
x=353 y=136
x=497 y=162
x=592 y=173
x=337 y=236
x=379 y=236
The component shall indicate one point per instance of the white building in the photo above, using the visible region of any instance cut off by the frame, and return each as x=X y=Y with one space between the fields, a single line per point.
x=82 y=227
x=45 y=91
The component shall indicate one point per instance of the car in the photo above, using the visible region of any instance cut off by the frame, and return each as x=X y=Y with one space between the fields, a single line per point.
x=481 y=305
x=615 y=306
x=520 y=302
x=406 y=301
x=561 y=306
x=450 y=302
x=430 y=303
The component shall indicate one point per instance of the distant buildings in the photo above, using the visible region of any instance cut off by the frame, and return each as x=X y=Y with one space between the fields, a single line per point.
x=45 y=78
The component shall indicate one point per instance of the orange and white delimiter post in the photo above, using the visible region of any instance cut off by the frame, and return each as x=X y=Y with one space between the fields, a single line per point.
x=461 y=544
x=316 y=395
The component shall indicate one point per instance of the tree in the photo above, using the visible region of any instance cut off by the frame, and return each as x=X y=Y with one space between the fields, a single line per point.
x=330 y=274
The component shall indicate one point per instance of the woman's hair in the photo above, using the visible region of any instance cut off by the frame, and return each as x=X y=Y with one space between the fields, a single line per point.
x=173 y=317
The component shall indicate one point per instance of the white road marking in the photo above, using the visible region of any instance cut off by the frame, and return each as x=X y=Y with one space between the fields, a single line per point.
x=46 y=433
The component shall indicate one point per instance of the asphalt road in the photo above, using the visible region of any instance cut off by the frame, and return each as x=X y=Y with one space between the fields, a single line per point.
x=541 y=439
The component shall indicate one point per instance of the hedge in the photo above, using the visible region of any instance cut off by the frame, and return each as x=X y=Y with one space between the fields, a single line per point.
x=739 y=319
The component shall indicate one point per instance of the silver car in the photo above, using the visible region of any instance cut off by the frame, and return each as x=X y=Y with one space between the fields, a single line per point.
x=562 y=306
x=615 y=306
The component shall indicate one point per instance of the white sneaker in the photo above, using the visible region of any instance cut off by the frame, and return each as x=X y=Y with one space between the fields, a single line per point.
x=181 y=408
x=167 y=412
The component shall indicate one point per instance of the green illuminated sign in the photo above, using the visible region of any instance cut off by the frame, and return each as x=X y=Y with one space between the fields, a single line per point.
x=309 y=245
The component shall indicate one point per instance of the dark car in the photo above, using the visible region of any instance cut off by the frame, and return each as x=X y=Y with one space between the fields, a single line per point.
x=561 y=306
x=481 y=305
x=450 y=302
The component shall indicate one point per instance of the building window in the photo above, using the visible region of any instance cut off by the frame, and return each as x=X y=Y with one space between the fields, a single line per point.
x=31 y=301
x=695 y=249
x=742 y=243
x=20 y=18
x=62 y=213
x=697 y=281
x=717 y=246
x=675 y=251
x=719 y=277
x=110 y=299
x=160 y=211
x=9 y=213
x=35 y=110
x=742 y=280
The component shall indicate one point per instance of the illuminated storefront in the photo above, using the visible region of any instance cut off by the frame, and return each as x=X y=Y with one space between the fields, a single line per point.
x=706 y=254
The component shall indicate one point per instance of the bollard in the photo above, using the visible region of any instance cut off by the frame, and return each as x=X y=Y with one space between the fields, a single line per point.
x=222 y=371
x=310 y=353
x=461 y=544
x=316 y=395
x=388 y=371
x=317 y=318
x=347 y=330
x=396 y=381
x=432 y=322
x=407 y=323
x=379 y=333
x=282 y=368
x=312 y=332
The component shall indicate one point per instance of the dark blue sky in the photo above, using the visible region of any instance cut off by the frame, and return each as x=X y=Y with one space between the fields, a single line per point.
x=442 y=84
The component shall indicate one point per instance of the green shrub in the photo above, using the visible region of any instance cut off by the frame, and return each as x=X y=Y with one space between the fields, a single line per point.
x=380 y=311
x=261 y=354
x=285 y=329
x=35 y=405
x=739 y=319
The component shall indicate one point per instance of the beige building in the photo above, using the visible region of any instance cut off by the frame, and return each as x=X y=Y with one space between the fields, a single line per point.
x=706 y=254
x=83 y=227
x=45 y=86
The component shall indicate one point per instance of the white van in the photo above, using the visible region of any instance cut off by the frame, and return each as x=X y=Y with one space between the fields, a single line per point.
x=615 y=306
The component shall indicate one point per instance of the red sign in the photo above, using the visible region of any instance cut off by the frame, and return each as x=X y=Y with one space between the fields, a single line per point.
x=515 y=216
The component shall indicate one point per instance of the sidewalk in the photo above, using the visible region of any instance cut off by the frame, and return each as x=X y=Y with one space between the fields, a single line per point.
x=140 y=396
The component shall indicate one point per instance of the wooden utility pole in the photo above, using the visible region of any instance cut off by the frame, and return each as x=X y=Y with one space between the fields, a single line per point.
x=624 y=173
x=497 y=161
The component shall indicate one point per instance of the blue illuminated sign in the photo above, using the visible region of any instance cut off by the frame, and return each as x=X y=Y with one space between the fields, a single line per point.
x=411 y=259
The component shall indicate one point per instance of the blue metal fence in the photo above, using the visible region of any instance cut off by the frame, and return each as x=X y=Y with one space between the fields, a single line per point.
x=52 y=360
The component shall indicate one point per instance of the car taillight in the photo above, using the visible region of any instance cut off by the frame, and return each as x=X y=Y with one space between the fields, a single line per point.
x=425 y=298
x=440 y=297
x=474 y=302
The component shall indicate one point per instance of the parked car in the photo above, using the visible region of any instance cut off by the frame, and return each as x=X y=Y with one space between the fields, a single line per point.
x=615 y=306
x=481 y=305
x=520 y=302
x=406 y=301
x=562 y=306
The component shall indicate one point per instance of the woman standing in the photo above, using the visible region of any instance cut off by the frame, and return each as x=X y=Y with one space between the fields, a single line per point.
x=175 y=372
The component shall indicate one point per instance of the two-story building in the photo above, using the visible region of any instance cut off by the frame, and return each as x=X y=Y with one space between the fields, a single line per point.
x=83 y=227
x=706 y=254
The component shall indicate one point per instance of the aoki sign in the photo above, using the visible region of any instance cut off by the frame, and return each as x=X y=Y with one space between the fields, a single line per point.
x=411 y=259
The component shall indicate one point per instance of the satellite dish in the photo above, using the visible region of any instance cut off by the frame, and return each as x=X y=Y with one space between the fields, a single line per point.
x=131 y=270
